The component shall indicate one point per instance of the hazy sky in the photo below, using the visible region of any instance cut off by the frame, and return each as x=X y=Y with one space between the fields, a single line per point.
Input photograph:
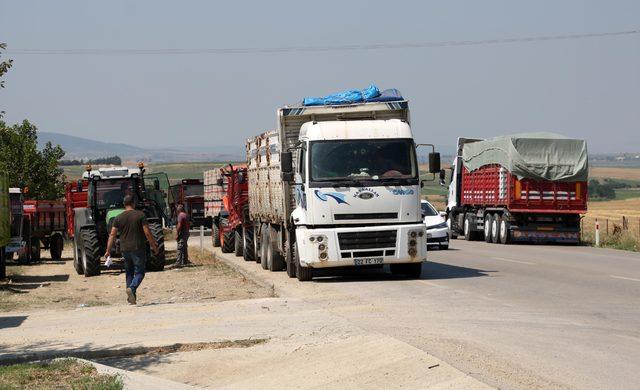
x=586 y=88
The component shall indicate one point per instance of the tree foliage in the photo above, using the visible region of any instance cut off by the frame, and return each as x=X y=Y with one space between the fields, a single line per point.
x=26 y=166
x=114 y=160
x=4 y=68
x=598 y=190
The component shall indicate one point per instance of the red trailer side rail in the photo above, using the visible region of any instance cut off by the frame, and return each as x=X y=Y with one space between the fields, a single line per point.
x=75 y=196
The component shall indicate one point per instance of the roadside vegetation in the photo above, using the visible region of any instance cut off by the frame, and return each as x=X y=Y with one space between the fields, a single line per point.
x=57 y=374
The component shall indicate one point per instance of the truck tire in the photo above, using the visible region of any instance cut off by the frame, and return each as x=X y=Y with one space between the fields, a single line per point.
x=257 y=249
x=215 y=236
x=77 y=255
x=452 y=233
x=505 y=236
x=90 y=252
x=488 y=227
x=56 y=246
x=410 y=270
x=275 y=260
x=468 y=234
x=228 y=241
x=304 y=274
x=24 y=257
x=288 y=255
x=495 y=229
x=35 y=249
x=248 y=252
x=238 y=242
x=264 y=245
x=156 y=262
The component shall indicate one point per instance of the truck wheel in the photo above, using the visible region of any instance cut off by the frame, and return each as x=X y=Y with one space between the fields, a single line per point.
x=56 y=246
x=156 y=262
x=488 y=227
x=505 y=236
x=248 y=252
x=452 y=232
x=304 y=274
x=264 y=245
x=276 y=261
x=228 y=241
x=288 y=255
x=410 y=270
x=215 y=236
x=35 y=249
x=90 y=252
x=77 y=255
x=468 y=234
x=238 y=242
x=257 y=249
x=495 y=229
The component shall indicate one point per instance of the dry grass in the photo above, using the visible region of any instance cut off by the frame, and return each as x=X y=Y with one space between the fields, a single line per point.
x=57 y=374
x=614 y=173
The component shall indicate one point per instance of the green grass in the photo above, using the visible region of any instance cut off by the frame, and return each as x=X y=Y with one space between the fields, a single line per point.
x=58 y=374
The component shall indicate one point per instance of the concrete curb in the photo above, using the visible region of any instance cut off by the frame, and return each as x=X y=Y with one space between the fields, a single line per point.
x=253 y=276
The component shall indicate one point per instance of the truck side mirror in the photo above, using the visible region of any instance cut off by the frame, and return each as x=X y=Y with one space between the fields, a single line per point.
x=286 y=162
x=434 y=162
x=443 y=176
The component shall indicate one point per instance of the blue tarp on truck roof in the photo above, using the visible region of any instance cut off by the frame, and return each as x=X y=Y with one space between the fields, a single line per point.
x=369 y=94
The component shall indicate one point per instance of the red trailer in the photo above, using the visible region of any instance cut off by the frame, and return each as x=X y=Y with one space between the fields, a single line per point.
x=75 y=196
x=519 y=188
x=44 y=227
x=189 y=193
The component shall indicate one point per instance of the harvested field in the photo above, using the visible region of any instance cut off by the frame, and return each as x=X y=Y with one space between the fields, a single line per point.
x=614 y=173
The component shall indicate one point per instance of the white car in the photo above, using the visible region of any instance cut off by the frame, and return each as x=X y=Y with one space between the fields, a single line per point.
x=437 y=228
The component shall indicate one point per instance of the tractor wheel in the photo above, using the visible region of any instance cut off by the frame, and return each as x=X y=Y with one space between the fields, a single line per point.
x=238 y=243
x=288 y=257
x=228 y=241
x=248 y=253
x=304 y=274
x=276 y=261
x=77 y=255
x=90 y=252
x=156 y=262
x=215 y=236
x=264 y=246
x=56 y=246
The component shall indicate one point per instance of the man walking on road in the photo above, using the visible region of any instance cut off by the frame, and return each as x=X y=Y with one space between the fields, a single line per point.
x=182 y=234
x=133 y=228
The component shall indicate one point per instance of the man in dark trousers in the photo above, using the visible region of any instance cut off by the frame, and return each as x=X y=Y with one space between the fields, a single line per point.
x=182 y=236
x=133 y=228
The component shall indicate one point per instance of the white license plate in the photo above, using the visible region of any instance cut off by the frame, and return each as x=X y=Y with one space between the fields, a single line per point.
x=367 y=261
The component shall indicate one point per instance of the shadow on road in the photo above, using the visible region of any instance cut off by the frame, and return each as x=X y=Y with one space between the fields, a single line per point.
x=11 y=322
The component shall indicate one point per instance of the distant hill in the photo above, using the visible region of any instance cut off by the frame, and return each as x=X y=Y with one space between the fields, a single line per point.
x=83 y=148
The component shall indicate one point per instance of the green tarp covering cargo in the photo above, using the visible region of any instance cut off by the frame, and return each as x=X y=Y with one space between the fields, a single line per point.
x=537 y=156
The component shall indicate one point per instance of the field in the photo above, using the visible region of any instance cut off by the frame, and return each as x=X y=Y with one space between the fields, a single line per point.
x=614 y=173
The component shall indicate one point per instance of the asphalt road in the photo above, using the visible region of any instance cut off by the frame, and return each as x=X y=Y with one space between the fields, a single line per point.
x=511 y=316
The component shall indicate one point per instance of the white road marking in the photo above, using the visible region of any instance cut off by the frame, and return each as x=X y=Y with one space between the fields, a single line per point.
x=625 y=278
x=514 y=261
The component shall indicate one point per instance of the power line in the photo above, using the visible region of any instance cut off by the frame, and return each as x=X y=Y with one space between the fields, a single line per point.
x=321 y=48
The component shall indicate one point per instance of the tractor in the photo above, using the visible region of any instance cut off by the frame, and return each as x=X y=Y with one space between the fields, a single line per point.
x=92 y=222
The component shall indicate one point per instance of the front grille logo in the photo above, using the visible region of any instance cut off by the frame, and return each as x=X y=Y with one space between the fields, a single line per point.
x=366 y=193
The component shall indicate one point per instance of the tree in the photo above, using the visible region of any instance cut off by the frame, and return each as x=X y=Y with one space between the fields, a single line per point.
x=26 y=166
x=4 y=68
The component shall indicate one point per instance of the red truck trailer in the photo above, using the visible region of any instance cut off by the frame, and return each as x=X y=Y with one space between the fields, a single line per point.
x=76 y=195
x=520 y=188
x=44 y=227
x=190 y=193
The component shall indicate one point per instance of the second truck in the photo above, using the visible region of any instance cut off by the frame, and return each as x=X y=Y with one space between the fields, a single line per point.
x=338 y=186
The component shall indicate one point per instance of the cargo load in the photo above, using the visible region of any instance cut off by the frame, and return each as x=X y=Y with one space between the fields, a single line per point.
x=351 y=96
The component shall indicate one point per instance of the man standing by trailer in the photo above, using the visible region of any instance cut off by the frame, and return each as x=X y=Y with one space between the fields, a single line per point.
x=182 y=234
x=133 y=228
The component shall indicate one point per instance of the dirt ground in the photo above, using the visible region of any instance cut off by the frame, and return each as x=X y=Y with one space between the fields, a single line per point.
x=55 y=284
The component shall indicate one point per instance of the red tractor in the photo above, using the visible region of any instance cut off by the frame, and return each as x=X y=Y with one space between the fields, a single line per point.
x=235 y=233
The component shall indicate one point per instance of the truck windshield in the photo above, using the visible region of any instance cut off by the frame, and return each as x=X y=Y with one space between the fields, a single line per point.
x=194 y=190
x=110 y=193
x=363 y=160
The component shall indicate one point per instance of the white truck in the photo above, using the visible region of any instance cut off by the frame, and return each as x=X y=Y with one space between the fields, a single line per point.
x=338 y=186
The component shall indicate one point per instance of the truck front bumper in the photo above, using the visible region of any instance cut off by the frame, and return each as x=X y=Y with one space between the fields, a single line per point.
x=355 y=246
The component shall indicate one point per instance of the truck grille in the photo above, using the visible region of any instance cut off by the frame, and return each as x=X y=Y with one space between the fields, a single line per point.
x=367 y=240
x=345 y=217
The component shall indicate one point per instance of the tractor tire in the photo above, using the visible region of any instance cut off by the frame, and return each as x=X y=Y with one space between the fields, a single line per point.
x=90 y=252
x=77 y=255
x=288 y=256
x=488 y=227
x=304 y=274
x=505 y=235
x=248 y=252
x=264 y=246
x=276 y=261
x=156 y=262
x=228 y=241
x=257 y=249
x=238 y=243
x=56 y=246
x=410 y=270
x=215 y=236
